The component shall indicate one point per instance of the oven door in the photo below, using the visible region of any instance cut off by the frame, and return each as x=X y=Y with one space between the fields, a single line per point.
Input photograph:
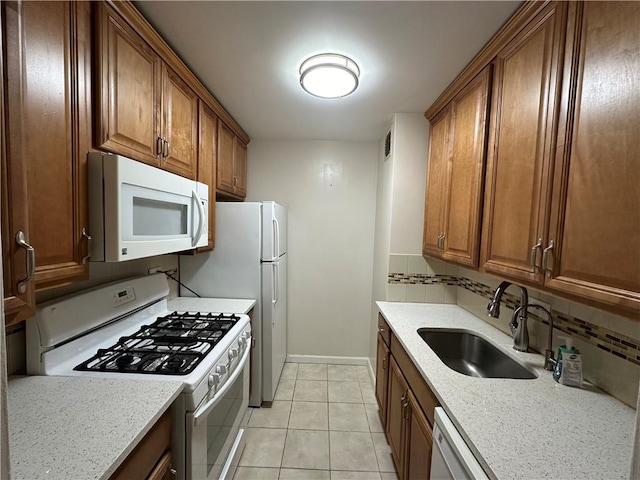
x=214 y=438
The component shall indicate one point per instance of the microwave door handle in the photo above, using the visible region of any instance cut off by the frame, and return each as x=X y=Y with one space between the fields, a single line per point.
x=198 y=234
x=202 y=411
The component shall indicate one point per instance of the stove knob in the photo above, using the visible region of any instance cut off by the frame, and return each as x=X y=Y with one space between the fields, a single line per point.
x=221 y=369
x=246 y=335
x=233 y=353
x=214 y=380
x=241 y=343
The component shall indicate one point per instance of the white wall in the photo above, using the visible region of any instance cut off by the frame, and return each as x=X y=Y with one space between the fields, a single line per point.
x=399 y=203
x=329 y=189
x=411 y=134
x=381 y=242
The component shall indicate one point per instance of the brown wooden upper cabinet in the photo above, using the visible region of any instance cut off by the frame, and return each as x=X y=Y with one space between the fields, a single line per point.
x=207 y=154
x=457 y=148
x=526 y=76
x=563 y=203
x=48 y=91
x=17 y=266
x=232 y=164
x=144 y=109
x=593 y=244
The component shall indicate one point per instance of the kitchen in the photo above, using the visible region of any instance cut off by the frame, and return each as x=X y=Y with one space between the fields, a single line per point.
x=338 y=265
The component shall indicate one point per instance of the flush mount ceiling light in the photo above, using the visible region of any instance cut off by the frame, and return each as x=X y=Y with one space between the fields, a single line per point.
x=329 y=75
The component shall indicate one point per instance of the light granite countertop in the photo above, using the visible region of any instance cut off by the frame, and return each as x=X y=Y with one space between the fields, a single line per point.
x=70 y=427
x=221 y=305
x=519 y=429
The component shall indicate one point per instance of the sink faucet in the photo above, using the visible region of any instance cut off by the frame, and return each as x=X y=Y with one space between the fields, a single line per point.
x=549 y=360
x=518 y=324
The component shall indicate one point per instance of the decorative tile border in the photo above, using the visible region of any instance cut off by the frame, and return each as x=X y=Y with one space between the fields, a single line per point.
x=422 y=279
x=621 y=346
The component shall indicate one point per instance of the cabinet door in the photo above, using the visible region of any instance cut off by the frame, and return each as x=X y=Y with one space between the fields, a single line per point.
x=162 y=470
x=382 y=378
x=469 y=111
x=437 y=175
x=419 y=443
x=396 y=415
x=129 y=90
x=207 y=165
x=523 y=107
x=240 y=168
x=19 y=297
x=179 y=125
x=595 y=221
x=53 y=135
x=225 y=180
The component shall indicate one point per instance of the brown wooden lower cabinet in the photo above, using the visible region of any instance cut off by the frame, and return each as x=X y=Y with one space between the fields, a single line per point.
x=409 y=405
x=382 y=367
x=151 y=459
x=163 y=469
x=419 y=442
x=396 y=415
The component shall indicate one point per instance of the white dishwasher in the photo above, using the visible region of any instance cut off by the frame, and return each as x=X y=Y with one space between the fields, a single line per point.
x=451 y=458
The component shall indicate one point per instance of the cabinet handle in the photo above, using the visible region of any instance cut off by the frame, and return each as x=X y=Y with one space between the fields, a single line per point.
x=380 y=329
x=173 y=472
x=86 y=236
x=384 y=362
x=545 y=256
x=534 y=256
x=165 y=148
x=168 y=149
x=159 y=146
x=441 y=238
x=404 y=403
x=31 y=261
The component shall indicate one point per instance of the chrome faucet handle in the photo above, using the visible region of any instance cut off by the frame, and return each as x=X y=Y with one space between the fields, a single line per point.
x=549 y=361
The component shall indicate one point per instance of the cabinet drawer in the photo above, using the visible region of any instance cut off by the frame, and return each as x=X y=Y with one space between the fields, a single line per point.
x=384 y=330
x=425 y=397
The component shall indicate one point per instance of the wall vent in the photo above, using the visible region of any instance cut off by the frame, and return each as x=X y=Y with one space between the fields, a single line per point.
x=387 y=145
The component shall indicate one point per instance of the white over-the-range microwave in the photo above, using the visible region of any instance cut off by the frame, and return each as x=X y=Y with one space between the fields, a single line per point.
x=137 y=211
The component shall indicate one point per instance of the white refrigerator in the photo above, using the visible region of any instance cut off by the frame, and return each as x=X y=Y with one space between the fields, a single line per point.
x=249 y=261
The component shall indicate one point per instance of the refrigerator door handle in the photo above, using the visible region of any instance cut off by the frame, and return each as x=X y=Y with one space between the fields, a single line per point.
x=276 y=238
x=275 y=272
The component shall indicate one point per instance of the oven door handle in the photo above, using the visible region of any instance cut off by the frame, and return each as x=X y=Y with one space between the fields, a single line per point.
x=202 y=411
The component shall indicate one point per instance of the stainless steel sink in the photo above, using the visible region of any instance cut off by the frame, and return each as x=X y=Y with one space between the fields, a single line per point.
x=472 y=355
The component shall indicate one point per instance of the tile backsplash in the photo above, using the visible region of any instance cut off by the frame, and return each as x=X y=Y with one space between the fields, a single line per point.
x=610 y=344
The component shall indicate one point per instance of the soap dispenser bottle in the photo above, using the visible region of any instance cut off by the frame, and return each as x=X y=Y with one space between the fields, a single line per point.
x=568 y=370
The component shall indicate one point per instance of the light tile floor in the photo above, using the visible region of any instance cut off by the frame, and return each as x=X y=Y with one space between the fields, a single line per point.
x=323 y=425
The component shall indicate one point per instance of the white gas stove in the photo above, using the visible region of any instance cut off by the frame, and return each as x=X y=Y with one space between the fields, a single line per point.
x=126 y=329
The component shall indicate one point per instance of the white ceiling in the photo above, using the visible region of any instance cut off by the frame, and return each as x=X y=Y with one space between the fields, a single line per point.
x=248 y=55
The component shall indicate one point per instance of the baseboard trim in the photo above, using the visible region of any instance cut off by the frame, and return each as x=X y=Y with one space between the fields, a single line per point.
x=329 y=360
x=372 y=373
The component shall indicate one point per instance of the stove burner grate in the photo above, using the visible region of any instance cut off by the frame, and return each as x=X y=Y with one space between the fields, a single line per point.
x=172 y=345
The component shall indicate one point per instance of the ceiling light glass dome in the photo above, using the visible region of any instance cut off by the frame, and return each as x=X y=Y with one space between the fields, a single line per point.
x=329 y=75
